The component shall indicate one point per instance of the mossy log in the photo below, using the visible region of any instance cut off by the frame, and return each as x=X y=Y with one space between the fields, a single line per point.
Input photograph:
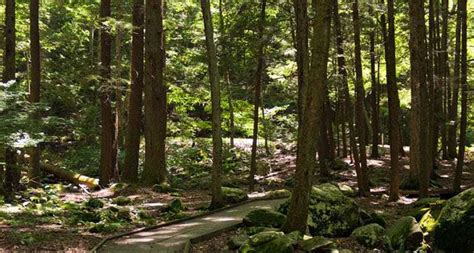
x=70 y=176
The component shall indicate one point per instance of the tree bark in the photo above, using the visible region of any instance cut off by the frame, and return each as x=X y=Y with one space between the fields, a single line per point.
x=453 y=110
x=35 y=84
x=375 y=97
x=464 y=99
x=302 y=52
x=217 y=199
x=308 y=133
x=108 y=152
x=155 y=95
x=134 y=124
x=362 y=177
x=393 y=100
x=420 y=146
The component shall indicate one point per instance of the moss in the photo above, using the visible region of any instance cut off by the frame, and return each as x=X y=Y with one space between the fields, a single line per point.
x=162 y=188
x=237 y=241
x=405 y=233
x=263 y=217
x=282 y=193
x=268 y=241
x=428 y=223
x=122 y=201
x=315 y=243
x=175 y=206
x=94 y=203
x=371 y=235
x=233 y=195
x=455 y=230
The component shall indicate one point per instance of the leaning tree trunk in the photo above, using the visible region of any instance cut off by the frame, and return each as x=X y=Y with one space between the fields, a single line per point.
x=155 y=95
x=217 y=199
x=258 y=93
x=464 y=98
x=308 y=133
x=420 y=146
x=134 y=126
x=393 y=100
x=362 y=177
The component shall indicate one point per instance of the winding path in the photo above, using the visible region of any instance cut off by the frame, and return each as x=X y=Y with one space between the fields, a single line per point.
x=177 y=237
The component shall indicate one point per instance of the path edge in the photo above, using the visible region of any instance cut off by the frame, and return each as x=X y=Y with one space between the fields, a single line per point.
x=164 y=224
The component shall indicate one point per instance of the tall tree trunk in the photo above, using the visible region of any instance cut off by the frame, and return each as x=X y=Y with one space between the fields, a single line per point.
x=155 y=95
x=302 y=53
x=35 y=85
x=445 y=74
x=420 y=146
x=361 y=123
x=342 y=72
x=217 y=200
x=464 y=98
x=226 y=70
x=11 y=174
x=132 y=141
x=108 y=152
x=258 y=92
x=393 y=100
x=308 y=133
x=375 y=97
x=453 y=110
x=119 y=110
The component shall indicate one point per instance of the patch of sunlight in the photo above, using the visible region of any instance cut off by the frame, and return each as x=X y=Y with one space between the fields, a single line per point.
x=155 y=204
x=219 y=219
x=9 y=209
x=406 y=201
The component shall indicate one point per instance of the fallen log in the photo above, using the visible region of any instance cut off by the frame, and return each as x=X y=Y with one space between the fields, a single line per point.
x=70 y=176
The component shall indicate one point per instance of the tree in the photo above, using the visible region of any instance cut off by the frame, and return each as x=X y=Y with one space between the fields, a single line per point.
x=11 y=173
x=308 y=134
x=420 y=141
x=258 y=91
x=217 y=199
x=132 y=141
x=375 y=91
x=108 y=143
x=361 y=123
x=464 y=98
x=155 y=95
x=35 y=84
x=393 y=100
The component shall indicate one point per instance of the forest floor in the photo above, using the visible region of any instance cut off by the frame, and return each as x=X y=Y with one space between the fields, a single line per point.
x=52 y=218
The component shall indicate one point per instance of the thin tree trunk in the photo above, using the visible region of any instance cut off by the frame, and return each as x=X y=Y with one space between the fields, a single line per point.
x=217 y=200
x=119 y=112
x=302 y=53
x=258 y=92
x=445 y=74
x=393 y=100
x=155 y=95
x=363 y=180
x=420 y=146
x=35 y=85
x=375 y=96
x=453 y=110
x=134 y=125
x=464 y=98
x=308 y=135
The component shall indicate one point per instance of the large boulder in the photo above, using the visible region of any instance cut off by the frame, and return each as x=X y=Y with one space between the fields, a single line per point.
x=405 y=234
x=269 y=241
x=265 y=218
x=455 y=229
x=316 y=243
x=233 y=195
x=333 y=213
x=371 y=235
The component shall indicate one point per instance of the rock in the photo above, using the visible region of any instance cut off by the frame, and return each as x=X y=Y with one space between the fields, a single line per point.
x=369 y=218
x=333 y=213
x=256 y=230
x=121 y=201
x=315 y=243
x=455 y=230
x=94 y=203
x=265 y=218
x=282 y=193
x=237 y=241
x=422 y=206
x=124 y=214
x=175 y=206
x=371 y=235
x=162 y=188
x=233 y=195
x=347 y=190
x=268 y=241
x=405 y=234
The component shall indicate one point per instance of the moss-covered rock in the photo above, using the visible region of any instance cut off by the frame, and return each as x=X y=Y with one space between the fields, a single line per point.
x=347 y=190
x=282 y=193
x=333 y=213
x=422 y=206
x=455 y=230
x=268 y=241
x=233 y=195
x=94 y=203
x=371 y=235
x=255 y=230
x=122 y=201
x=235 y=242
x=369 y=218
x=265 y=218
x=162 y=188
x=124 y=214
x=405 y=234
x=175 y=206
x=315 y=243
